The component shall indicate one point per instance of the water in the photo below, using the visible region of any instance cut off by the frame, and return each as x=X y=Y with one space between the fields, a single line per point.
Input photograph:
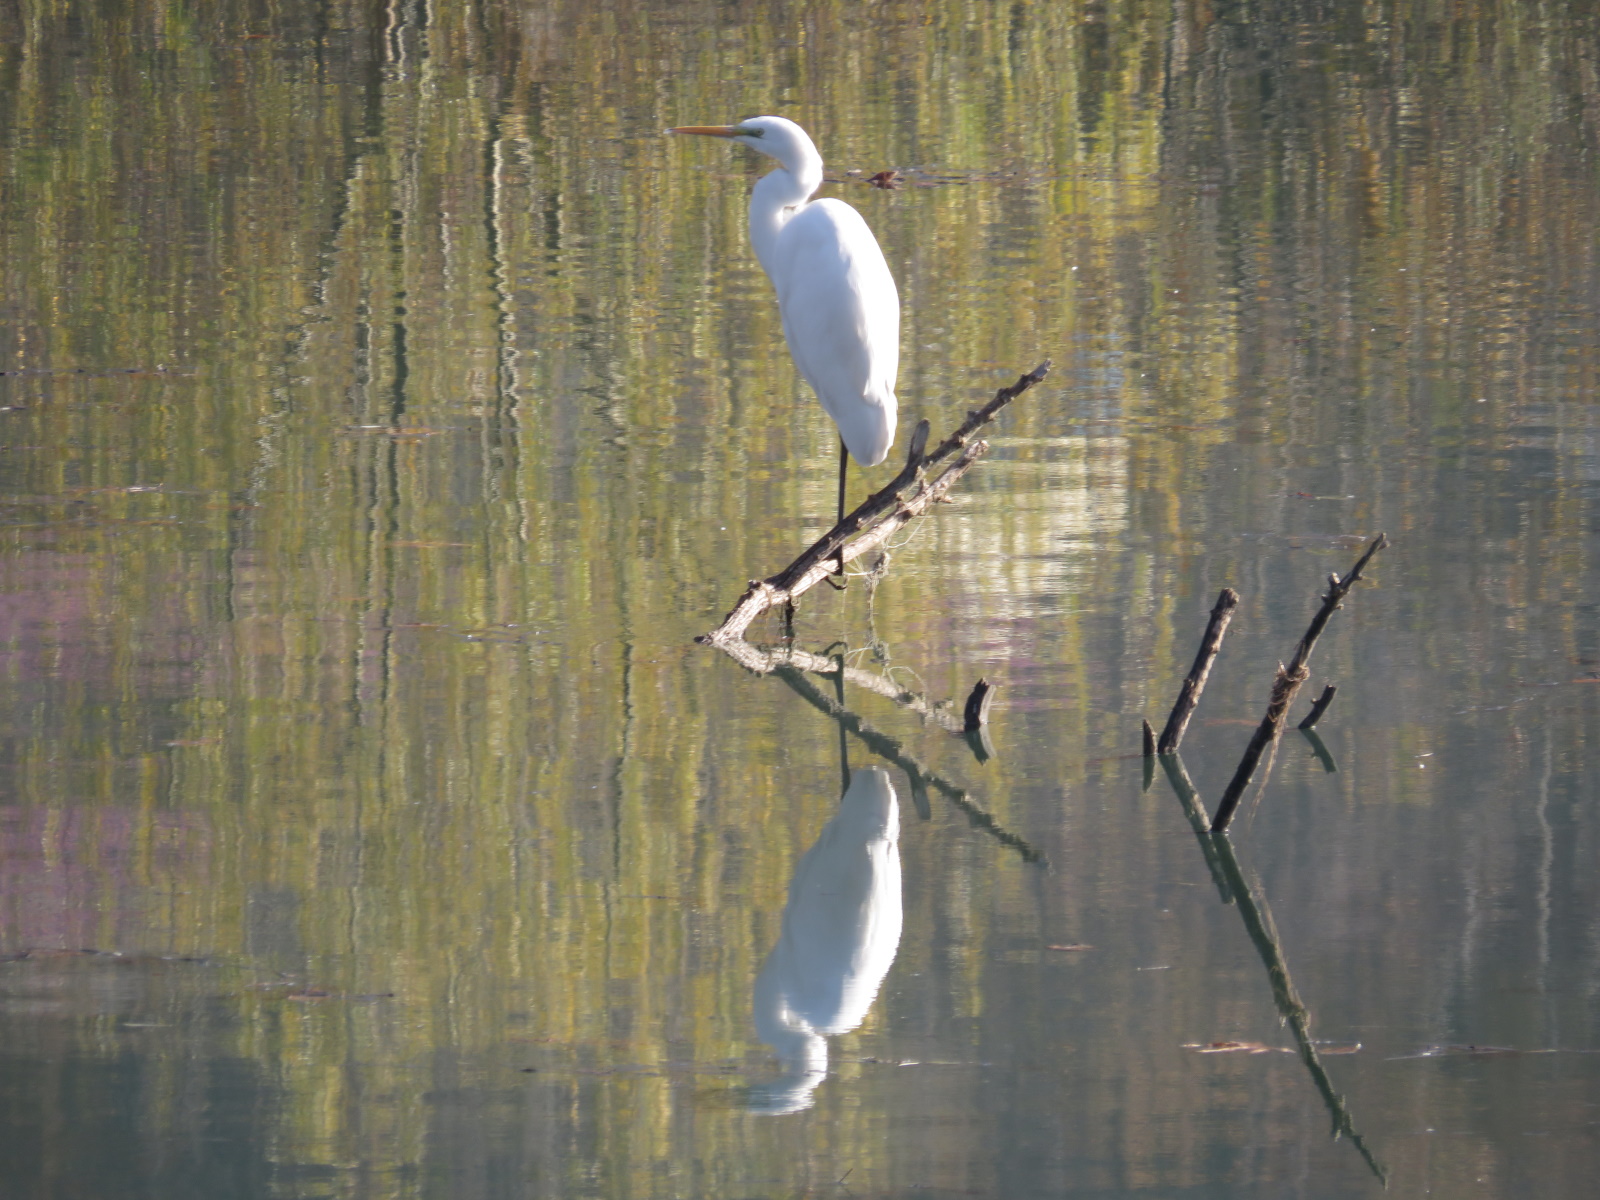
x=388 y=405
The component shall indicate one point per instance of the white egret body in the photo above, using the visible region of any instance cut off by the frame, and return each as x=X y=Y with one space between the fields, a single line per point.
x=840 y=309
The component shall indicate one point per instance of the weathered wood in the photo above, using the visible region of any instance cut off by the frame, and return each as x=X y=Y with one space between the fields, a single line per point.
x=1284 y=687
x=823 y=559
x=1149 y=739
x=1194 y=684
x=981 y=417
x=1318 y=707
x=879 y=517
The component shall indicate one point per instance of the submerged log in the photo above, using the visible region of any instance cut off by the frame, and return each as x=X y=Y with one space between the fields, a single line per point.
x=765 y=660
x=1235 y=888
x=1263 y=933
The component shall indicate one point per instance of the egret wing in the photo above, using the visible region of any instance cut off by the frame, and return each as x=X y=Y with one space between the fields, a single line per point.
x=841 y=318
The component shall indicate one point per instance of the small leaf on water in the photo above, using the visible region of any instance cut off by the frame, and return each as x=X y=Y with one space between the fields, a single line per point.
x=1234 y=1048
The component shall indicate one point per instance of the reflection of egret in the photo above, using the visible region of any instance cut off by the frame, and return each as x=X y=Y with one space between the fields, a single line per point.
x=840 y=310
x=841 y=928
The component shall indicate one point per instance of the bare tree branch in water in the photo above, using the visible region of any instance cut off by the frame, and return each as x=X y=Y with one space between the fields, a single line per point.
x=1318 y=707
x=1195 y=683
x=1218 y=851
x=879 y=517
x=1286 y=684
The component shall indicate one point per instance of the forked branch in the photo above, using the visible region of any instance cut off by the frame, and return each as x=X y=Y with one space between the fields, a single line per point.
x=1285 y=686
x=880 y=517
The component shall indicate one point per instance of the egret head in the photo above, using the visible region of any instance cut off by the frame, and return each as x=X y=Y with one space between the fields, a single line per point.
x=776 y=137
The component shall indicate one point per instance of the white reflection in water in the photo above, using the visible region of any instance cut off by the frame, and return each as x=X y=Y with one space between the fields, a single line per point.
x=1030 y=542
x=841 y=929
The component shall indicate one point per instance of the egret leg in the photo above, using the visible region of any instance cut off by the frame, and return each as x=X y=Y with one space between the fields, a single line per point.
x=844 y=464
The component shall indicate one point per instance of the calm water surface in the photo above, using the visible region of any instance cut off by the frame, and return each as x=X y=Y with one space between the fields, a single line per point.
x=386 y=406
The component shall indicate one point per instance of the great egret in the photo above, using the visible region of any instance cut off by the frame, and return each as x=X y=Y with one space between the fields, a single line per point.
x=840 y=310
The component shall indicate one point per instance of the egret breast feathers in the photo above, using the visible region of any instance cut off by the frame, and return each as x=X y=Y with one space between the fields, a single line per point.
x=841 y=318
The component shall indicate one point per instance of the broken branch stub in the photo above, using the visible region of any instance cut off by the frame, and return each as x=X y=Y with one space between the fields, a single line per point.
x=1318 y=707
x=1195 y=683
x=976 y=714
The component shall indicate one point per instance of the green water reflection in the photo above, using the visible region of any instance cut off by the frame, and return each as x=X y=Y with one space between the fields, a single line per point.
x=386 y=405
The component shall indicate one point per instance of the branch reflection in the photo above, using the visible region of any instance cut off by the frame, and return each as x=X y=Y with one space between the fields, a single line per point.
x=1257 y=916
x=783 y=664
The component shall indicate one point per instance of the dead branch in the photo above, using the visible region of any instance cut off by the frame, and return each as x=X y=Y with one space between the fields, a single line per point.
x=1284 y=687
x=1189 y=695
x=977 y=711
x=1318 y=707
x=879 y=518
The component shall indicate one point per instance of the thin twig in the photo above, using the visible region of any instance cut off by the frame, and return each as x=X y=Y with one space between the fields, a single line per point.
x=1284 y=687
x=1189 y=694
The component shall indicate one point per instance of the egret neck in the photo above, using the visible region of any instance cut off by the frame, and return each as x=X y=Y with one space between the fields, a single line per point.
x=780 y=194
